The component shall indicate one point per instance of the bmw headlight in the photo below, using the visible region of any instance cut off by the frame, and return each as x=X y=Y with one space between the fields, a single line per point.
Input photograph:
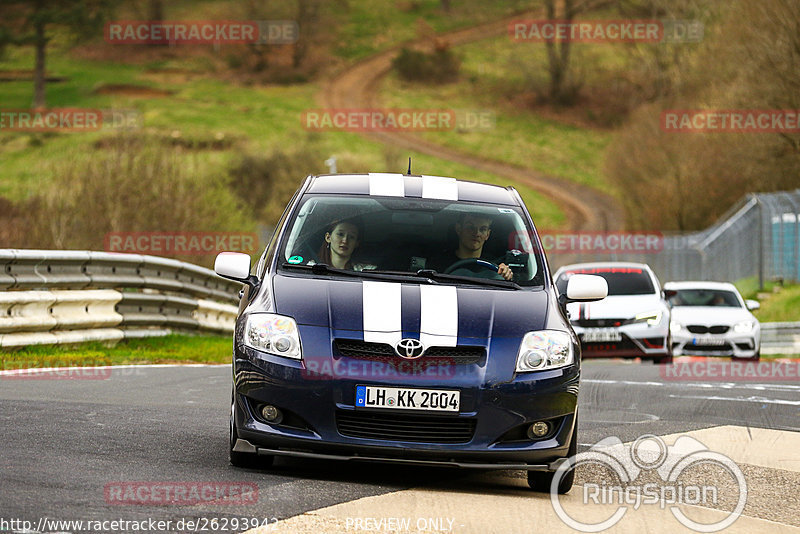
x=276 y=334
x=652 y=318
x=675 y=327
x=545 y=349
x=744 y=327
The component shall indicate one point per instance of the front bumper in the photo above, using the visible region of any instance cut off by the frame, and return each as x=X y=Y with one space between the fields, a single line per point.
x=724 y=345
x=498 y=411
x=637 y=341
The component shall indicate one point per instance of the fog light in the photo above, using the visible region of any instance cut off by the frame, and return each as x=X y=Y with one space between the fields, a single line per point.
x=538 y=430
x=271 y=414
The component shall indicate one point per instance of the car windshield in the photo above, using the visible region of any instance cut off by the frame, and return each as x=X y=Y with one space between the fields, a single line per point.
x=621 y=280
x=705 y=297
x=411 y=237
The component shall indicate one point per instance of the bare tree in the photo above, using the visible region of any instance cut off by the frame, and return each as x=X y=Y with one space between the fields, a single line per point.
x=27 y=24
x=562 y=89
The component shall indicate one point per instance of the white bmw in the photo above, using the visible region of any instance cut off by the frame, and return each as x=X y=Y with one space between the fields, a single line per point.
x=712 y=319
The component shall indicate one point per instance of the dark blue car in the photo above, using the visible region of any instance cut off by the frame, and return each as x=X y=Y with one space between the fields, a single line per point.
x=410 y=319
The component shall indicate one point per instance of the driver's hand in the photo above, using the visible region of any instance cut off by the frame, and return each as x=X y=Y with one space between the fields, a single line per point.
x=505 y=271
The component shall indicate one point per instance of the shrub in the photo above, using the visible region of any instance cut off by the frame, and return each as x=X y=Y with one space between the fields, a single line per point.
x=134 y=185
x=441 y=66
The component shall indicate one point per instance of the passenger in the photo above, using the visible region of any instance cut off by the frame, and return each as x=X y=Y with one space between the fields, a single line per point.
x=472 y=232
x=342 y=238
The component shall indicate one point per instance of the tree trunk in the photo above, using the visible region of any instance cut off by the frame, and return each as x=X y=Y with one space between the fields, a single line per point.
x=39 y=70
x=558 y=53
x=156 y=10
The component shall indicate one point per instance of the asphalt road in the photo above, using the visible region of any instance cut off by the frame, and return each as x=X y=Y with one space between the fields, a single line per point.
x=64 y=441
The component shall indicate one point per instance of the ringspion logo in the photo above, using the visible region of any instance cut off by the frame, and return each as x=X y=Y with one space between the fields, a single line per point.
x=672 y=464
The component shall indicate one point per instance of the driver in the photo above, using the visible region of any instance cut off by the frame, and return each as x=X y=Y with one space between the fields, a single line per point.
x=472 y=231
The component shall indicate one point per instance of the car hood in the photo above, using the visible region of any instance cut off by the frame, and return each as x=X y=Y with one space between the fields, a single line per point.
x=389 y=311
x=710 y=315
x=615 y=307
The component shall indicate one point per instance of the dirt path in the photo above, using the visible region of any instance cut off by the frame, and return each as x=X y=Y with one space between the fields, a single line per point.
x=356 y=87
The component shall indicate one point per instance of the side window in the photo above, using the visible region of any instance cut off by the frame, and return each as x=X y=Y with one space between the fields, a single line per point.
x=269 y=251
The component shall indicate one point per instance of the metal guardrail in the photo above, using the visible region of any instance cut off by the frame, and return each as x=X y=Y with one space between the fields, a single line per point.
x=58 y=297
x=780 y=338
x=65 y=297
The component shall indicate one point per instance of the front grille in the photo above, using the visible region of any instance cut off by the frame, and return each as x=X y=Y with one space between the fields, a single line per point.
x=404 y=427
x=701 y=329
x=364 y=350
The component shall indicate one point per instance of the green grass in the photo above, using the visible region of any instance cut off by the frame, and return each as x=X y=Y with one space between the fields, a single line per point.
x=490 y=71
x=783 y=306
x=257 y=119
x=174 y=348
x=368 y=27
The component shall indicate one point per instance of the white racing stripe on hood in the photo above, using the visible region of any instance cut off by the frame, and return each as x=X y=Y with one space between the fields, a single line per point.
x=386 y=184
x=439 y=187
x=381 y=305
x=438 y=316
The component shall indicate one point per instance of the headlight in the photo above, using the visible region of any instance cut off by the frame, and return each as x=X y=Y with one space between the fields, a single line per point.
x=272 y=333
x=743 y=327
x=545 y=349
x=652 y=317
x=675 y=327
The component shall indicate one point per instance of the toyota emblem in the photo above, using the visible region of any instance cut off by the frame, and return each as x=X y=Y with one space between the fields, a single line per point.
x=410 y=349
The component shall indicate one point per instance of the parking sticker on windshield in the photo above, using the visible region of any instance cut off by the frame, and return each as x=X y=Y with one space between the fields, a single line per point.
x=505 y=210
x=295 y=259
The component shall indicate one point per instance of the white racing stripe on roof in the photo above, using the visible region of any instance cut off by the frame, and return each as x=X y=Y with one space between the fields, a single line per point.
x=381 y=309
x=438 y=316
x=439 y=187
x=386 y=184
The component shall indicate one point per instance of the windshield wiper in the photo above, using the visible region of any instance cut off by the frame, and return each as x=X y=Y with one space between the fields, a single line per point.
x=436 y=276
x=324 y=268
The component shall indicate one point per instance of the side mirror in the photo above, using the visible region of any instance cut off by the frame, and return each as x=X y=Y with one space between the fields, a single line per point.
x=585 y=288
x=752 y=304
x=669 y=293
x=235 y=266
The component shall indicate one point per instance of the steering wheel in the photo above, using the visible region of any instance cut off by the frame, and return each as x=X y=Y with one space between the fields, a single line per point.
x=473 y=262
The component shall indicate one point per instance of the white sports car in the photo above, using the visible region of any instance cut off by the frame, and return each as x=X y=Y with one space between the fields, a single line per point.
x=712 y=319
x=632 y=322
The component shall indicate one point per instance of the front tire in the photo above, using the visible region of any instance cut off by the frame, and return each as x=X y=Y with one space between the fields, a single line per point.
x=540 y=481
x=245 y=460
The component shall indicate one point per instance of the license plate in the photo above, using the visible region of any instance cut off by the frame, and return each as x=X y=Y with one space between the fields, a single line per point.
x=435 y=400
x=601 y=335
x=708 y=341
